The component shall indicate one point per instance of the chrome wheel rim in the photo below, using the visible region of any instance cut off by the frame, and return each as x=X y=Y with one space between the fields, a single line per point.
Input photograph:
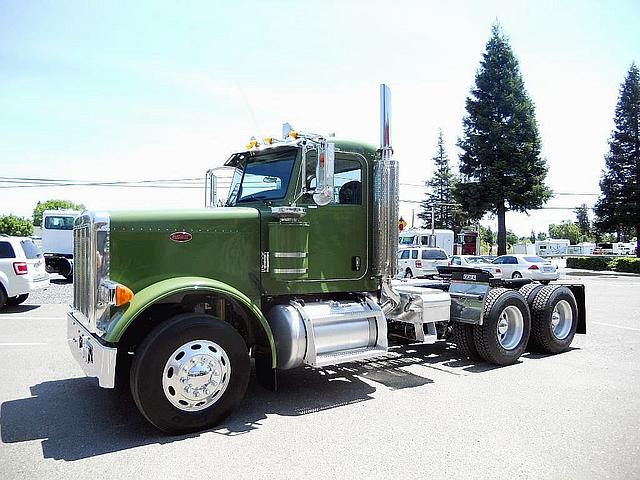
x=510 y=327
x=196 y=375
x=561 y=320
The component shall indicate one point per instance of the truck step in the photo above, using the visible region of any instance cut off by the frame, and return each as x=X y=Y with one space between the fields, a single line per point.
x=345 y=356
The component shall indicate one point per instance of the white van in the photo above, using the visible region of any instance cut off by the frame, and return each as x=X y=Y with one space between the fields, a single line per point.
x=21 y=270
x=420 y=261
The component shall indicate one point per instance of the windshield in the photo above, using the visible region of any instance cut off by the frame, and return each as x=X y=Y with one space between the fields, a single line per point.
x=58 y=223
x=263 y=177
x=476 y=260
x=406 y=240
x=31 y=251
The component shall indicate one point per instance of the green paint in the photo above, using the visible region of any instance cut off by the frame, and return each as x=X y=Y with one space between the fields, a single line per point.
x=288 y=250
x=165 y=288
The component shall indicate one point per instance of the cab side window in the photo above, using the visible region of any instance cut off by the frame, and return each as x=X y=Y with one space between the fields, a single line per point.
x=404 y=255
x=347 y=180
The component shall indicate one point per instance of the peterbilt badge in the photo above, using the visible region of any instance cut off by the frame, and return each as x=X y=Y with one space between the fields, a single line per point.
x=181 y=237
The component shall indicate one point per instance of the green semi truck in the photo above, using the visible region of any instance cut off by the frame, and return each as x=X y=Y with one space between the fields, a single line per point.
x=297 y=269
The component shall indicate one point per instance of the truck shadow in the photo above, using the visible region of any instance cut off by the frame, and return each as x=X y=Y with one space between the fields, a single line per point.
x=18 y=309
x=75 y=419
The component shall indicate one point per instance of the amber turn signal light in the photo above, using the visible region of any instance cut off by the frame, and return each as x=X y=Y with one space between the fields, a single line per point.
x=123 y=295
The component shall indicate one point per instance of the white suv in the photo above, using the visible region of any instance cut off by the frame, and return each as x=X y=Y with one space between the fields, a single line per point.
x=22 y=269
x=420 y=261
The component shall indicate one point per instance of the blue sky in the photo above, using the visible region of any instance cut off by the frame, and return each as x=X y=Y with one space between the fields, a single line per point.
x=149 y=90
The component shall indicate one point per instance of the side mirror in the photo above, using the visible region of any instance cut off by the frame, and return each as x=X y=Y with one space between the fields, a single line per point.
x=324 y=173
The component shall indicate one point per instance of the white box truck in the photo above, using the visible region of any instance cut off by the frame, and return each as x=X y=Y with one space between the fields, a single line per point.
x=57 y=241
x=428 y=238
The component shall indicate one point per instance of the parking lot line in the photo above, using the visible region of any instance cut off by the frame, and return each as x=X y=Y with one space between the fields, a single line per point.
x=616 y=326
x=16 y=317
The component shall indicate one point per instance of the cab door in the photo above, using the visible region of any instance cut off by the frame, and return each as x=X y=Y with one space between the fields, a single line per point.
x=339 y=232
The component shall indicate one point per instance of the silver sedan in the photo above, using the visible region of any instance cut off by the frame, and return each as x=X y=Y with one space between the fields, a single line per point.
x=527 y=266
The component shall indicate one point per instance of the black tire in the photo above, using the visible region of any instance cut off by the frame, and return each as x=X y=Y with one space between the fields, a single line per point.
x=503 y=305
x=408 y=273
x=3 y=297
x=516 y=275
x=13 y=301
x=462 y=336
x=149 y=372
x=66 y=269
x=550 y=300
x=529 y=292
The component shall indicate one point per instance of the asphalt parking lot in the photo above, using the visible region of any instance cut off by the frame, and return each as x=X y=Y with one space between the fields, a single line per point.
x=421 y=411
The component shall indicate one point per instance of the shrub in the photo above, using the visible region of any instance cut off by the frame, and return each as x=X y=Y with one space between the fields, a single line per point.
x=12 y=225
x=589 y=263
x=629 y=265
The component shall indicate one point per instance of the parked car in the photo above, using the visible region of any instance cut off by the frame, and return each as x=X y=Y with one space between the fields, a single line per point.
x=475 y=261
x=527 y=266
x=420 y=261
x=22 y=269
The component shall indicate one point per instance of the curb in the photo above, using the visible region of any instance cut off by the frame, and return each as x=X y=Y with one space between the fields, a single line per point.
x=598 y=273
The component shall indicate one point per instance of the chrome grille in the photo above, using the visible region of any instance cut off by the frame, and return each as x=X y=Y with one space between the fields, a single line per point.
x=83 y=274
x=91 y=267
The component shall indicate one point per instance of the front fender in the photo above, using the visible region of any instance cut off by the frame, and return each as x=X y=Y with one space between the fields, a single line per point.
x=158 y=291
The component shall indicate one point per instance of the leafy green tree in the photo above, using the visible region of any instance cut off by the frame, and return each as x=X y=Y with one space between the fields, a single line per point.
x=512 y=238
x=541 y=236
x=439 y=193
x=501 y=163
x=618 y=208
x=566 y=229
x=53 y=205
x=18 y=226
x=488 y=237
x=532 y=236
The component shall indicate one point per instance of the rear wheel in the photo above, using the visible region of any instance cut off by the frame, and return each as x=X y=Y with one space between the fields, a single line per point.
x=554 y=318
x=462 y=336
x=13 y=301
x=529 y=292
x=189 y=373
x=504 y=332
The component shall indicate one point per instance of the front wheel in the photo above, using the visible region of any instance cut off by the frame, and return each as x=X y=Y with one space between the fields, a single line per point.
x=189 y=373
x=516 y=275
x=408 y=273
x=506 y=325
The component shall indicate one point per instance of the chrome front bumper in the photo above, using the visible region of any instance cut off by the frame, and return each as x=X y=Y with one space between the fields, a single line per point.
x=95 y=359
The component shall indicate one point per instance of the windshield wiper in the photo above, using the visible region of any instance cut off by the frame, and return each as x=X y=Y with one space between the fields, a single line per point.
x=255 y=196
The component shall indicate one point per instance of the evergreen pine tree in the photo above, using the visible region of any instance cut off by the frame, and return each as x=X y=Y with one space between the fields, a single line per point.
x=501 y=161
x=582 y=217
x=618 y=208
x=439 y=192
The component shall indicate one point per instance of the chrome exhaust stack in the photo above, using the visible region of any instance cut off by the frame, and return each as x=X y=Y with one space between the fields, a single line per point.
x=385 y=196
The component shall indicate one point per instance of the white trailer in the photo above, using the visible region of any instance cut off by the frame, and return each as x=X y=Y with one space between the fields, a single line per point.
x=524 y=248
x=57 y=241
x=427 y=237
x=584 y=248
x=552 y=246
